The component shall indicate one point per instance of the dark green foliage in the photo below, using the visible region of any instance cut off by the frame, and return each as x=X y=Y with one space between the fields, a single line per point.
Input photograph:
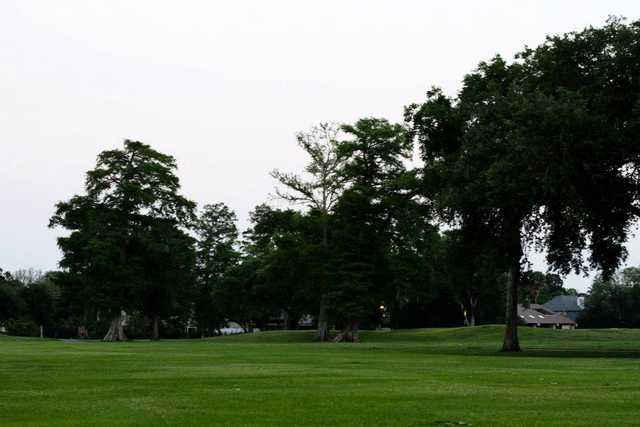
x=22 y=327
x=614 y=302
x=217 y=253
x=284 y=246
x=468 y=274
x=544 y=150
x=363 y=224
x=39 y=302
x=539 y=287
x=12 y=305
x=125 y=229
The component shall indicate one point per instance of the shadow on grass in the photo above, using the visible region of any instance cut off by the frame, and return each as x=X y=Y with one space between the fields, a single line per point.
x=534 y=352
x=576 y=353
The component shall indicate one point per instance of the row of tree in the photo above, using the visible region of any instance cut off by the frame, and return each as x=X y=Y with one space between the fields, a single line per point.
x=538 y=153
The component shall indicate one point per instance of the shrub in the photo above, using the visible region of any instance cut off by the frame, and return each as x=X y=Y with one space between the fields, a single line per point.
x=22 y=328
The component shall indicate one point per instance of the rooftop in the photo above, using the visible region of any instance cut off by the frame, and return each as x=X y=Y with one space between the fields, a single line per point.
x=537 y=314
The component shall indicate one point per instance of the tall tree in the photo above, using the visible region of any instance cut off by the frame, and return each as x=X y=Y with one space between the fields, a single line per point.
x=217 y=252
x=319 y=189
x=546 y=149
x=128 y=190
x=374 y=169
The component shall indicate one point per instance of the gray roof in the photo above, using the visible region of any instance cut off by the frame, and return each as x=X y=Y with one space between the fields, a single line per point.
x=537 y=314
x=565 y=303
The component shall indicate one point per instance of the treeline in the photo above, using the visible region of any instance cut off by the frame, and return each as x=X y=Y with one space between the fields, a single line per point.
x=540 y=152
x=613 y=302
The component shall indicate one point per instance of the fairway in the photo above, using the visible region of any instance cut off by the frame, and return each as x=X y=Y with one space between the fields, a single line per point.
x=434 y=377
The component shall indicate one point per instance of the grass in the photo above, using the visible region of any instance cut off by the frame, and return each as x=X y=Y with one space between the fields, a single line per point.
x=433 y=377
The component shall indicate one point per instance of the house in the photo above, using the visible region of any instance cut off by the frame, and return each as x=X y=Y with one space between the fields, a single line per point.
x=567 y=305
x=539 y=316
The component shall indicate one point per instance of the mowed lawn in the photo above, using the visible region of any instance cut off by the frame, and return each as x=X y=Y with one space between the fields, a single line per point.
x=434 y=377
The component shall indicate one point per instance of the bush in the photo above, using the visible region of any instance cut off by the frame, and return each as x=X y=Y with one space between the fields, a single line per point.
x=22 y=328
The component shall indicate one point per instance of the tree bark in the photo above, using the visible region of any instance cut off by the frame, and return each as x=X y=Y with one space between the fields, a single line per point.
x=473 y=306
x=116 y=331
x=464 y=314
x=323 y=317
x=350 y=333
x=155 y=332
x=83 y=332
x=511 y=342
x=323 y=327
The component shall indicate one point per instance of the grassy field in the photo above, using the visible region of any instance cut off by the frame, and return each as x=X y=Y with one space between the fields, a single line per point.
x=435 y=377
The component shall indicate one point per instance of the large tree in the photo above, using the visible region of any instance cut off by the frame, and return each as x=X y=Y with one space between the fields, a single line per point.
x=128 y=192
x=318 y=189
x=374 y=171
x=545 y=149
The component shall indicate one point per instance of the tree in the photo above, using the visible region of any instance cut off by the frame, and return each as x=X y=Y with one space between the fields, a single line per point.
x=169 y=263
x=129 y=190
x=613 y=302
x=12 y=304
x=373 y=171
x=542 y=287
x=283 y=244
x=414 y=246
x=28 y=276
x=40 y=304
x=545 y=148
x=318 y=190
x=467 y=268
x=217 y=240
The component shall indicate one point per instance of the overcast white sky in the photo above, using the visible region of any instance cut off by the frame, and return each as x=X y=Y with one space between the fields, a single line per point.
x=224 y=86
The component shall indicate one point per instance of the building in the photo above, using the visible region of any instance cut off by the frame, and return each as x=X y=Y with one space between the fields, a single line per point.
x=539 y=316
x=567 y=305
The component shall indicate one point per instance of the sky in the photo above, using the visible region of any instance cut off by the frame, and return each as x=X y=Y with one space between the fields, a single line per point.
x=225 y=86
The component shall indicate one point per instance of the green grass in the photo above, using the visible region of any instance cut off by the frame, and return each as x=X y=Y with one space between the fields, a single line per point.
x=434 y=377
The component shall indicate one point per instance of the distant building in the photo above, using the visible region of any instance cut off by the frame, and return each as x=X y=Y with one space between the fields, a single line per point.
x=567 y=305
x=232 y=328
x=539 y=316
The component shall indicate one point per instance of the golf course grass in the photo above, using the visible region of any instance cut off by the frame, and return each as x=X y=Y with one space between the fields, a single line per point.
x=428 y=377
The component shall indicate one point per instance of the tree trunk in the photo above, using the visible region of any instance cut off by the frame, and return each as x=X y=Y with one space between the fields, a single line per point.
x=41 y=331
x=473 y=307
x=464 y=314
x=323 y=328
x=323 y=318
x=83 y=332
x=511 y=342
x=155 y=332
x=350 y=333
x=116 y=331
